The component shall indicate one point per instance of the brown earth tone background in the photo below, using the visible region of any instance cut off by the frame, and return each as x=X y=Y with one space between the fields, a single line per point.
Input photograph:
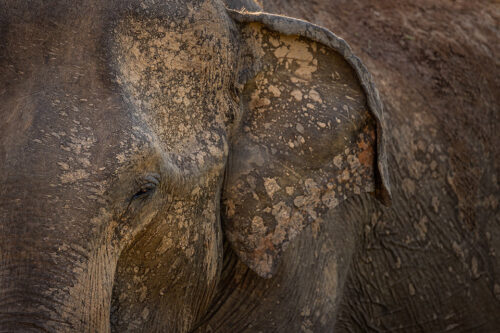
x=431 y=262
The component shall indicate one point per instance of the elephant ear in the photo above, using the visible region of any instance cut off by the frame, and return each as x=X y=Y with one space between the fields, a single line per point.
x=310 y=135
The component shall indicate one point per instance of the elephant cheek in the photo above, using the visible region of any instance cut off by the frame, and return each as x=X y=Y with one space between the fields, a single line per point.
x=171 y=269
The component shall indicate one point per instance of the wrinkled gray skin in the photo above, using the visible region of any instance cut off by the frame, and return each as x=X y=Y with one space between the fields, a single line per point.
x=120 y=122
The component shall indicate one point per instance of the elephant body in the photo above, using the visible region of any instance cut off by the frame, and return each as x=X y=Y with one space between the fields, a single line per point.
x=197 y=166
x=430 y=262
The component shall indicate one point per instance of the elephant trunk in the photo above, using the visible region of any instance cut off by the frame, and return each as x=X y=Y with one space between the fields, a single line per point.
x=38 y=291
x=51 y=283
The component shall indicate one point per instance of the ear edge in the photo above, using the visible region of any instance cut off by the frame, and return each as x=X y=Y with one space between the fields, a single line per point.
x=292 y=26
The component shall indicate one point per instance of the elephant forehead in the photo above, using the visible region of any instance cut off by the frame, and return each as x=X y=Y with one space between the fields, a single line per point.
x=176 y=75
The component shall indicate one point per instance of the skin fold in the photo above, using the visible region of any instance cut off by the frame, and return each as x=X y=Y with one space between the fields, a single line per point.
x=164 y=163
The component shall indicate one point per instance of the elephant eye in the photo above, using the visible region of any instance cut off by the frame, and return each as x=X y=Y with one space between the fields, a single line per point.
x=147 y=186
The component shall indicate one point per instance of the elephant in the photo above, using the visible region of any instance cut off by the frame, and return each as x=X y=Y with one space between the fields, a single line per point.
x=177 y=166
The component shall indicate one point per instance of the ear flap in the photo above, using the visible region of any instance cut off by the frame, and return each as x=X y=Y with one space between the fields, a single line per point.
x=310 y=135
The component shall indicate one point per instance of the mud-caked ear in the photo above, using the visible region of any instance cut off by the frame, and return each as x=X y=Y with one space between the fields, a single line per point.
x=310 y=135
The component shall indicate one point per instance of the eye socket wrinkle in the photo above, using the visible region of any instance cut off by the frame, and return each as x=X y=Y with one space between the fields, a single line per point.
x=148 y=185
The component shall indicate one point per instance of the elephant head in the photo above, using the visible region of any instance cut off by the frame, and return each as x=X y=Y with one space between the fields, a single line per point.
x=118 y=122
x=113 y=145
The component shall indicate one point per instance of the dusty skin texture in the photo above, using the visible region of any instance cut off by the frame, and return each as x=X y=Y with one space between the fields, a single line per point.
x=123 y=122
x=430 y=263
x=131 y=128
